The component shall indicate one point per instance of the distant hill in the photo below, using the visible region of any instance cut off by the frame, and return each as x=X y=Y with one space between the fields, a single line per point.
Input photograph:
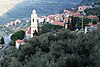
x=96 y=6
x=43 y=7
x=90 y=2
x=87 y=2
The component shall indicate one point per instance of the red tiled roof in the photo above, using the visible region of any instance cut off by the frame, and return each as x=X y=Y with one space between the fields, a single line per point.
x=77 y=14
x=58 y=23
x=51 y=18
x=67 y=19
x=20 y=41
x=92 y=16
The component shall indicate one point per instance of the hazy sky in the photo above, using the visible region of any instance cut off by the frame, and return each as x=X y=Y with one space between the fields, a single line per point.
x=6 y=5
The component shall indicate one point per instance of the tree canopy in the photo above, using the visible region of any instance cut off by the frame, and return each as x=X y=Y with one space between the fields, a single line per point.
x=17 y=35
x=65 y=49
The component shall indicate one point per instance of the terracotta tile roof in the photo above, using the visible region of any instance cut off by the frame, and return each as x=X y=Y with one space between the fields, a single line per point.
x=51 y=18
x=58 y=23
x=20 y=41
x=66 y=19
x=92 y=16
x=77 y=15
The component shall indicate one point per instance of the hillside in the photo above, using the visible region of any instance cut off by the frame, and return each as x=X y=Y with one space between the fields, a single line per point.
x=9 y=30
x=90 y=2
x=87 y=2
x=96 y=7
x=44 y=7
x=66 y=49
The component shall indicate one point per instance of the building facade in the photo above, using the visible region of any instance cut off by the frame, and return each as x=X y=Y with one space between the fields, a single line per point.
x=34 y=22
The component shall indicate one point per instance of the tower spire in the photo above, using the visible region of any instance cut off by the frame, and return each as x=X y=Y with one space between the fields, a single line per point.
x=34 y=11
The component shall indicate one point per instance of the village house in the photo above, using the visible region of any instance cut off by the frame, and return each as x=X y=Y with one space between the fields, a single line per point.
x=19 y=43
x=92 y=17
x=13 y=23
x=27 y=21
x=90 y=26
x=41 y=19
x=82 y=8
x=57 y=19
x=1 y=46
x=77 y=14
x=17 y=22
x=66 y=13
x=28 y=33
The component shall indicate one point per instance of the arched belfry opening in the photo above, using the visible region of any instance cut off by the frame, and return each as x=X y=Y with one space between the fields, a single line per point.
x=33 y=20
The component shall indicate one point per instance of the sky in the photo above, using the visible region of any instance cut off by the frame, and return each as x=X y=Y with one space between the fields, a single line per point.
x=6 y=5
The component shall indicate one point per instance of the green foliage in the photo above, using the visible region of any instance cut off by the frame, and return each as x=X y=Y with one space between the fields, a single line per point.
x=77 y=22
x=35 y=33
x=65 y=49
x=17 y=35
x=96 y=8
x=48 y=27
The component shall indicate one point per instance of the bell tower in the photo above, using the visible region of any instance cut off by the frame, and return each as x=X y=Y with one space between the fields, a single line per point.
x=34 y=23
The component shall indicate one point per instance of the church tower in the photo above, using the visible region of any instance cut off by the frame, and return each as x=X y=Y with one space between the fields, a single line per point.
x=34 y=23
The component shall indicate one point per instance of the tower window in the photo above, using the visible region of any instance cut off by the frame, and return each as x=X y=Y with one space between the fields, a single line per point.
x=33 y=20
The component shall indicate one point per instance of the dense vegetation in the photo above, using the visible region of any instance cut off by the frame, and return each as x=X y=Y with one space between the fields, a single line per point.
x=17 y=35
x=58 y=48
x=47 y=27
x=65 y=49
x=96 y=7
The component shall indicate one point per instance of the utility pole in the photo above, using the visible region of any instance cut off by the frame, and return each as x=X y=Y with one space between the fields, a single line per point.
x=82 y=22
x=83 y=13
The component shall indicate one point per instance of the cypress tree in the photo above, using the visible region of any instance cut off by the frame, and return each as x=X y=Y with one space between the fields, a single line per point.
x=2 y=40
x=35 y=33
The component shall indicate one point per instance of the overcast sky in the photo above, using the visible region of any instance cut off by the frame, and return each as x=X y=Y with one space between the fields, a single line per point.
x=6 y=5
